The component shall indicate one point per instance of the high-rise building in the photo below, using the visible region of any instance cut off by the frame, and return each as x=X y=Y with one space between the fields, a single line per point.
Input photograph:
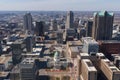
x=29 y=43
x=82 y=33
x=17 y=48
x=39 y=28
x=102 y=26
x=70 y=19
x=60 y=37
x=89 y=25
x=54 y=25
x=28 y=69
x=28 y=26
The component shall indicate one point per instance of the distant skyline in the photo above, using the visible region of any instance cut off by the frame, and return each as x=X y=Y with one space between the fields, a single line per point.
x=59 y=5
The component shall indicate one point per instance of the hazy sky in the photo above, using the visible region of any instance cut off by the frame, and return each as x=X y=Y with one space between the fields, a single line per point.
x=63 y=5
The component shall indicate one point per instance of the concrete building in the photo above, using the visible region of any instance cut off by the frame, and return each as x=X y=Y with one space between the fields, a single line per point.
x=78 y=45
x=102 y=26
x=116 y=60
x=89 y=45
x=5 y=62
x=60 y=37
x=54 y=25
x=29 y=43
x=82 y=33
x=39 y=29
x=28 y=69
x=28 y=26
x=70 y=34
x=17 y=48
x=15 y=73
x=83 y=56
x=110 y=71
x=88 y=71
x=73 y=52
x=70 y=19
x=109 y=47
x=4 y=75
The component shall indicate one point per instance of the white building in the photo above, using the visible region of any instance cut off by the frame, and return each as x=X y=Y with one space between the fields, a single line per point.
x=89 y=45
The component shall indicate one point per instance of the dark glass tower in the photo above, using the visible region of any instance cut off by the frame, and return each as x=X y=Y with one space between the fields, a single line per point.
x=102 y=26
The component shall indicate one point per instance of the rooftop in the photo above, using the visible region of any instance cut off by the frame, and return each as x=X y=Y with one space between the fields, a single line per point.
x=4 y=59
x=4 y=74
x=89 y=65
x=74 y=43
x=74 y=49
x=27 y=63
x=84 y=54
x=102 y=13
x=89 y=40
x=109 y=41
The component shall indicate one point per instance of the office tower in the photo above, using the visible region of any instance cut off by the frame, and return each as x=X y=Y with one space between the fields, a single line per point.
x=60 y=37
x=70 y=19
x=102 y=25
x=88 y=26
x=17 y=48
x=28 y=26
x=28 y=69
x=54 y=25
x=88 y=71
x=89 y=45
x=82 y=33
x=70 y=34
x=39 y=30
x=29 y=43
x=12 y=25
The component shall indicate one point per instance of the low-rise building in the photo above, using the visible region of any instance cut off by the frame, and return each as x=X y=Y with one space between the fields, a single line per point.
x=5 y=62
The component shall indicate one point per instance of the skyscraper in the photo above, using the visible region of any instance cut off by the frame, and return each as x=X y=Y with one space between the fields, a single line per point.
x=28 y=26
x=17 y=48
x=54 y=25
x=102 y=25
x=39 y=28
x=70 y=19
x=89 y=25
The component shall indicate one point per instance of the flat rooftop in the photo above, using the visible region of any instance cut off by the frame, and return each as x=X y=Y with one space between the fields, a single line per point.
x=4 y=59
x=109 y=41
x=27 y=63
x=74 y=49
x=4 y=74
x=110 y=65
x=89 y=40
x=74 y=43
x=89 y=65
x=84 y=54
